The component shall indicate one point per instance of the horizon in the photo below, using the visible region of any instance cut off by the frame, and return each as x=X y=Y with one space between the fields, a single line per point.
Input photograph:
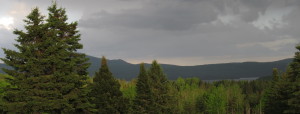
x=149 y=62
x=178 y=32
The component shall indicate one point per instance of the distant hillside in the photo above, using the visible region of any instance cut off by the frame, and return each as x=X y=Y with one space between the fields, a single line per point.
x=123 y=70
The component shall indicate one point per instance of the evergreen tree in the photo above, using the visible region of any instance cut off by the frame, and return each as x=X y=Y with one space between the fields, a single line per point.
x=163 y=101
x=105 y=92
x=294 y=83
x=49 y=73
x=272 y=103
x=143 y=99
x=275 y=101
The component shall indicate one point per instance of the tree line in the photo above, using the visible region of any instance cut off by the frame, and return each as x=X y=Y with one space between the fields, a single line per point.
x=48 y=75
x=194 y=96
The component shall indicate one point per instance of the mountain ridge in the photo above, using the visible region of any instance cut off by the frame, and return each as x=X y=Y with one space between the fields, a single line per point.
x=125 y=70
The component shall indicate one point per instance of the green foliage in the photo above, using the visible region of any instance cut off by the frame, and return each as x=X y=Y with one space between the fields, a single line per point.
x=238 y=97
x=153 y=90
x=143 y=102
x=128 y=89
x=188 y=92
x=194 y=96
x=160 y=91
x=235 y=99
x=49 y=74
x=283 y=95
x=4 y=82
x=214 y=101
x=294 y=83
x=275 y=101
x=105 y=92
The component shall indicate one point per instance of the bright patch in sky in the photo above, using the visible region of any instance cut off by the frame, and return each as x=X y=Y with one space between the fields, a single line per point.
x=272 y=18
x=6 y=22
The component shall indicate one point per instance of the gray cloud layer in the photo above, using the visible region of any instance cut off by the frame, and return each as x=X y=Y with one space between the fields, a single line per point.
x=165 y=15
x=185 y=31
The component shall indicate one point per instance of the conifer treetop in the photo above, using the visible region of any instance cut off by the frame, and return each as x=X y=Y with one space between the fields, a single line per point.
x=104 y=66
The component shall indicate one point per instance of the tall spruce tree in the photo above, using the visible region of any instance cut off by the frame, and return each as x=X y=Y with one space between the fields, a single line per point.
x=49 y=73
x=294 y=83
x=275 y=99
x=105 y=92
x=143 y=98
x=163 y=101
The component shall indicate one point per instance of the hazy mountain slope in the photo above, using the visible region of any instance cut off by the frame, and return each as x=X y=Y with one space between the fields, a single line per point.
x=123 y=70
x=227 y=70
x=119 y=68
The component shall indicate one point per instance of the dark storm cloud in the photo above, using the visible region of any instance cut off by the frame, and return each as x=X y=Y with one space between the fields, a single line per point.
x=177 y=14
x=201 y=31
x=192 y=28
x=248 y=10
x=261 y=4
x=168 y=15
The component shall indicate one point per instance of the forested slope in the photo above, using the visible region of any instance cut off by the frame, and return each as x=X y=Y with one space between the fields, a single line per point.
x=124 y=70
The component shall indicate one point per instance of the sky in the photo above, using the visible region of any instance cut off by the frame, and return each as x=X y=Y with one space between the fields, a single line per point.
x=180 y=32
